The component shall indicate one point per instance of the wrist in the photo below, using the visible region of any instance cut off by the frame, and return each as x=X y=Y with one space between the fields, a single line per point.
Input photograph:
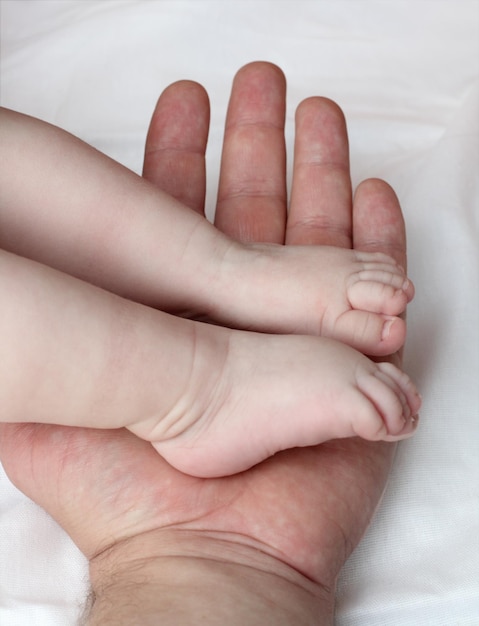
x=172 y=577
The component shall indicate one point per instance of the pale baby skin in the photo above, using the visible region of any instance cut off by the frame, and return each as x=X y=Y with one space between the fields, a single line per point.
x=212 y=400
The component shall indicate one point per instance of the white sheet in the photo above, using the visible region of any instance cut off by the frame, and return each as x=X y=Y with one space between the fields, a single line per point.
x=406 y=74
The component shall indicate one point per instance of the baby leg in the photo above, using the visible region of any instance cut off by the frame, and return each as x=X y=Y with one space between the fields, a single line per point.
x=355 y=297
x=69 y=207
x=77 y=355
x=276 y=392
x=212 y=400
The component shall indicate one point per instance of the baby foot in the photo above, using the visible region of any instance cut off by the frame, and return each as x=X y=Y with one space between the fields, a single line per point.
x=355 y=297
x=279 y=392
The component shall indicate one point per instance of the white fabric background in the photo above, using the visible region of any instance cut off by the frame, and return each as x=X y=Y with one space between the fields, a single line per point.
x=406 y=74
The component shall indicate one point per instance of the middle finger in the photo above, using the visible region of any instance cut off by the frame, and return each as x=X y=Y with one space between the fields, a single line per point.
x=251 y=204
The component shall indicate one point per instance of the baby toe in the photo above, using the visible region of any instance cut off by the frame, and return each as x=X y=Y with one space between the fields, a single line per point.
x=370 y=333
x=387 y=403
x=410 y=427
x=397 y=377
x=378 y=297
x=395 y=397
x=382 y=273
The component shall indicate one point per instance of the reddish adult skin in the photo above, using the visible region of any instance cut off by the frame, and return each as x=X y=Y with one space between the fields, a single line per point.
x=306 y=507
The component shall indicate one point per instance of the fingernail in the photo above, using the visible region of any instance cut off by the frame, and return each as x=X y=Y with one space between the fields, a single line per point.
x=415 y=421
x=411 y=426
x=387 y=329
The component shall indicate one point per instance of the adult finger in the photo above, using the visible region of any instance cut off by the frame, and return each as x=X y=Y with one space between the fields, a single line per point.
x=176 y=143
x=251 y=203
x=378 y=224
x=320 y=211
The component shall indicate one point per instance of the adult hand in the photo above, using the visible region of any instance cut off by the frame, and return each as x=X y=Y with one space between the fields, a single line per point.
x=270 y=542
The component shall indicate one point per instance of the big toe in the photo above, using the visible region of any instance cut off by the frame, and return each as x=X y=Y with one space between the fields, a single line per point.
x=370 y=333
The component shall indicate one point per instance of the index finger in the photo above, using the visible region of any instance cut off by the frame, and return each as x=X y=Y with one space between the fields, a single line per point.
x=176 y=143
